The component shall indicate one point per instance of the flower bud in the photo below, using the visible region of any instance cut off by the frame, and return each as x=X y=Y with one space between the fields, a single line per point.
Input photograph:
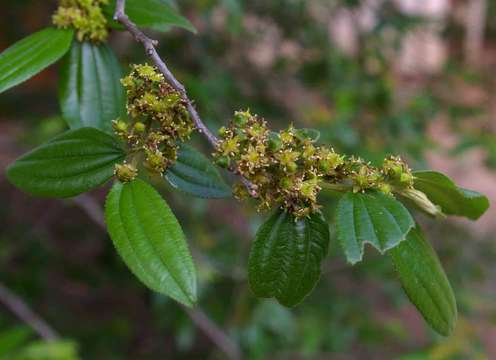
x=125 y=172
x=309 y=189
x=139 y=127
x=406 y=179
x=223 y=162
x=275 y=142
x=292 y=167
x=222 y=131
x=385 y=188
x=119 y=126
x=324 y=166
x=286 y=183
x=241 y=118
x=155 y=161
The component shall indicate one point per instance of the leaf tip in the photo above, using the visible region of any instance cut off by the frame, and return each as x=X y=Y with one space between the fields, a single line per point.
x=188 y=300
x=354 y=259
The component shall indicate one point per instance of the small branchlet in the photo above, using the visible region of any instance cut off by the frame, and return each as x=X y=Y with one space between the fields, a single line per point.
x=85 y=16
x=288 y=168
x=159 y=118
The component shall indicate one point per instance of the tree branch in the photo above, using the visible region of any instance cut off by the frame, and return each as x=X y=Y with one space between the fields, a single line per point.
x=214 y=333
x=17 y=305
x=92 y=208
x=200 y=319
x=151 y=51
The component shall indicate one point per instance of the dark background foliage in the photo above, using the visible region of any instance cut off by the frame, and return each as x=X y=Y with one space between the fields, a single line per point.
x=375 y=78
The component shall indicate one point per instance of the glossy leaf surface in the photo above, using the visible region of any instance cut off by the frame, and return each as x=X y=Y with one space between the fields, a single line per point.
x=286 y=255
x=90 y=91
x=70 y=164
x=31 y=55
x=373 y=218
x=424 y=281
x=150 y=240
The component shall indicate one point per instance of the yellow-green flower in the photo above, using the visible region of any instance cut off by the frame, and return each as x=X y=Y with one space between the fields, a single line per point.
x=125 y=172
x=159 y=118
x=86 y=16
x=148 y=72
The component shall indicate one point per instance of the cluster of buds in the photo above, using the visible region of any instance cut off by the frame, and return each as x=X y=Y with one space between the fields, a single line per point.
x=86 y=16
x=363 y=176
x=397 y=172
x=159 y=121
x=394 y=175
x=285 y=168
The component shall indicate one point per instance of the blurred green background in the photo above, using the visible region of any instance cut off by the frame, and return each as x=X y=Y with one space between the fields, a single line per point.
x=415 y=78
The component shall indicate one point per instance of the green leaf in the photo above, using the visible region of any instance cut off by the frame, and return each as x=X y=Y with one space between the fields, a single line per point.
x=424 y=281
x=12 y=339
x=149 y=239
x=153 y=14
x=32 y=54
x=286 y=255
x=47 y=350
x=373 y=218
x=90 y=91
x=453 y=200
x=195 y=174
x=70 y=164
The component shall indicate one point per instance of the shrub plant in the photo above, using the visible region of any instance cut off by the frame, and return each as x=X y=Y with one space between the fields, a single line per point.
x=134 y=129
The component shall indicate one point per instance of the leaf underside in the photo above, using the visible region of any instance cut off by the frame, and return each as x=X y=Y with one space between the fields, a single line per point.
x=153 y=14
x=424 y=281
x=31 y=55
x=373 y=218
x=90 y=91
x=195 y=174
x=150 y=240
x=70 y=164
x=285 y=258
x=453 y=200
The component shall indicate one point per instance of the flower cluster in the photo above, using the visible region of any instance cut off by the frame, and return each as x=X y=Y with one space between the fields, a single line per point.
x=86 y=16
x=287 y=168
x=393 y=175
x=159 y=120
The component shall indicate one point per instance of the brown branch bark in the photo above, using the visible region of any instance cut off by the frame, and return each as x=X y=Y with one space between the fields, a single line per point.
x=17 y=305
x=149 y=45
x=214 y=333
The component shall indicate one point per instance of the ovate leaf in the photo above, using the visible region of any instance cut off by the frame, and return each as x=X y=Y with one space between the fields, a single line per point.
x=153 y=14
x=72 y=163
x=90 y=91
x=286 y=255
x=453 y=200
x=424 y=281
x=373 y=218
x=195 y=174
x=32 y=54
x=149 y=239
